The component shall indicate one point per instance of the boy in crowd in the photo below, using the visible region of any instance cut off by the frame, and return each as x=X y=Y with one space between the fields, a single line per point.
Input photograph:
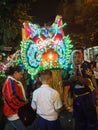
x=47 y=103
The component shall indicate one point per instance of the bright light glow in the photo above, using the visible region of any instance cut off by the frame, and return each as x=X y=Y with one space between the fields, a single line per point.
x=50 y=56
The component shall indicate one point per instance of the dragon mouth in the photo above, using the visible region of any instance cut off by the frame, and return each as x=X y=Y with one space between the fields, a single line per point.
x=49 y=58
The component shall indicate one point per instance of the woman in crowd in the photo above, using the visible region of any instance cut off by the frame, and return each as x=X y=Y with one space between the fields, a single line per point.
x=82 y=92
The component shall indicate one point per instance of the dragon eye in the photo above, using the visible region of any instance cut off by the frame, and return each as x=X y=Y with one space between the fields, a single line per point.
x=39 y=40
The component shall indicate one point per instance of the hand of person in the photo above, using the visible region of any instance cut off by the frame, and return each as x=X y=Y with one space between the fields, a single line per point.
x=80 y=78
x=69 y=108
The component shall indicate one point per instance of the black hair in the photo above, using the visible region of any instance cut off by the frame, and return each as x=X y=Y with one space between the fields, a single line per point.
x=12 y=69
x=93 y=63
x=79 y=48
x=96 y=55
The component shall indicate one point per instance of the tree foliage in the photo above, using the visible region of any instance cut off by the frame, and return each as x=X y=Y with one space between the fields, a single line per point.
x=82 y=21
x=12 y=15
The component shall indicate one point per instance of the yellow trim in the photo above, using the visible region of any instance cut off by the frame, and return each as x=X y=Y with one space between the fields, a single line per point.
x=81 y=94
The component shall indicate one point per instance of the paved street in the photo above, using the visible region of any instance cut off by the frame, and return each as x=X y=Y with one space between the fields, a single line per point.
x=67 y=122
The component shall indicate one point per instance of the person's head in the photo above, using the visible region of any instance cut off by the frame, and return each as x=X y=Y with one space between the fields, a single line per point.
x=80 y=49
x=92 y=64
x=96 y=58
x=77 y=57
x=45 y=76
x=15 y=72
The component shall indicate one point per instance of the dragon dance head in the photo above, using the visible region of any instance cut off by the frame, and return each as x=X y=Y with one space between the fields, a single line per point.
x=45 y=47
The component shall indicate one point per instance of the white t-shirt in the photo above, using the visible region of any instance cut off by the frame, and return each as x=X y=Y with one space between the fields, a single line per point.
x=46 y=100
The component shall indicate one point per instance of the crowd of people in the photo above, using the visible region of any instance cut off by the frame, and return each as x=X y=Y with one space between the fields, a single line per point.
x=80 y=96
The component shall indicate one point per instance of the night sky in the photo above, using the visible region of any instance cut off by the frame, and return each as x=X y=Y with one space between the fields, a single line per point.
x=44 y=11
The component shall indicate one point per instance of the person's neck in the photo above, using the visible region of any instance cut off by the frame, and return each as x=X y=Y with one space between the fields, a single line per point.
x=47 y=83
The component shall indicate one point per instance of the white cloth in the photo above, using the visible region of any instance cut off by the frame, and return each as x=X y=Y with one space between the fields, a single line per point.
x=46 y=100
x=96 y=74
x=96 y=64
x=79 y=86
x=13 y=117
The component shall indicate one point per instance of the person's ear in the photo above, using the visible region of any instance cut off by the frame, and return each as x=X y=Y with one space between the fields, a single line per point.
x=14 y=73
